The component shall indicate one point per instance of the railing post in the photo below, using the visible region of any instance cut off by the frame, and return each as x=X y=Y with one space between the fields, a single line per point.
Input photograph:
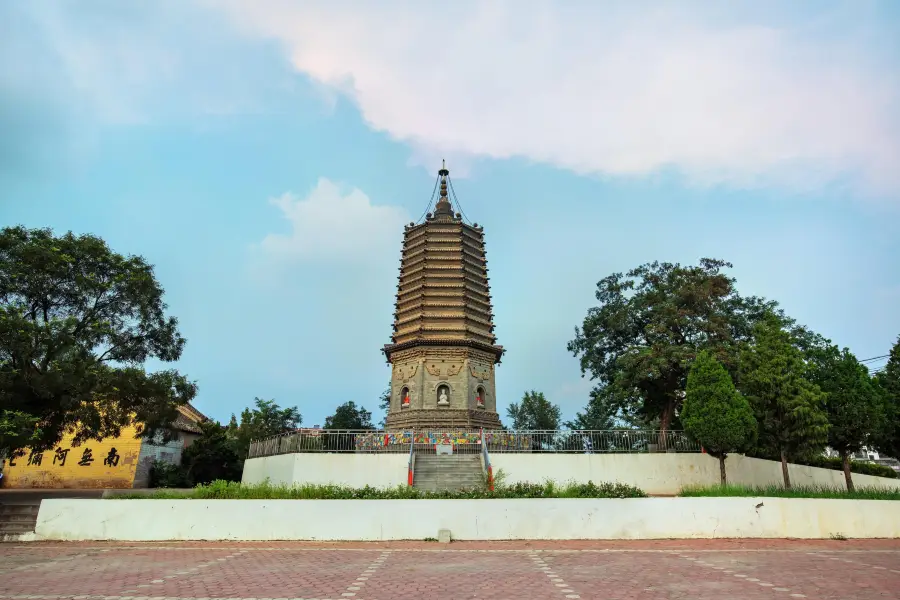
x=487 y=461
x=410 y=477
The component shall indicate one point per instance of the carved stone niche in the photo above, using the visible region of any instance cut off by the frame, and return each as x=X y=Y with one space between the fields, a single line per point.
x=406 y=394
x=442 y=394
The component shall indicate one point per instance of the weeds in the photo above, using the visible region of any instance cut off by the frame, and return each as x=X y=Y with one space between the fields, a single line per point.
x=795 y=492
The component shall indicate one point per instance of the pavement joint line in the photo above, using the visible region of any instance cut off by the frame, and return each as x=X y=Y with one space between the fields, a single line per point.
x=741 y=576
x=556 y=580
x=181 y=572
x=363 y=577
x=856 y=562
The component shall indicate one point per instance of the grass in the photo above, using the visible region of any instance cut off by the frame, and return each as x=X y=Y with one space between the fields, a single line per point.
x=229 y=490
x=778 y=491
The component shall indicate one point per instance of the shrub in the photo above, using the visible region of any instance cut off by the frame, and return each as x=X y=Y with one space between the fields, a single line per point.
x=778 y=491
x=167 y=475
x=230 y=490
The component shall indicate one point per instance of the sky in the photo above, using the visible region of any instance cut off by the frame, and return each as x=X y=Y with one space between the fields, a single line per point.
x=265 y=155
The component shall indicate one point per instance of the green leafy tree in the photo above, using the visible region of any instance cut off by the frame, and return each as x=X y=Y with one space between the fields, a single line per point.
x=788 y=406
x=887 y=383
x=715 y=413
x=534 y=413
x=77 y=323
x=384 y=403
x=267 y=419
x=639 y=343
x=852 y=402
x=597 y=415
x=214 y=455
x=349 y=416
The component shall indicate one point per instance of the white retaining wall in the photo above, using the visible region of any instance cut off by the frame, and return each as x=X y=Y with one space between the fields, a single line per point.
x=664 y=473
x=355 y=470
x=546 y=519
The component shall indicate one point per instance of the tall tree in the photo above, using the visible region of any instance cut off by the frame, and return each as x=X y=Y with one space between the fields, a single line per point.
x=854 y=407
x=349 y=416
x=888 y=385
x=597 y=415
x=214 y=455
x=266 y=419
x=788 y=407
x=652 y=321
x=384 y=403
x=715 y=413
x=534 y=413
x=77 y=323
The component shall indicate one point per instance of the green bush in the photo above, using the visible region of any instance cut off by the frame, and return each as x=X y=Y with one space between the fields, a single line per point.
x=167 y=475
x=778 y=491
x=863 y=468
x=230 y=490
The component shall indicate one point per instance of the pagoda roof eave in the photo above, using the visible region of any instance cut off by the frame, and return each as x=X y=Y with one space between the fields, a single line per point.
x=389 y=349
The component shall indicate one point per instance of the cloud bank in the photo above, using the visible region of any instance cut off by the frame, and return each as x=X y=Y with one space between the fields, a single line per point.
x=335 y=224
x=791 y=100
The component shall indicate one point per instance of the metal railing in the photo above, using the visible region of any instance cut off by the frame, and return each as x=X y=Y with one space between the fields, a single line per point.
x=470 y=441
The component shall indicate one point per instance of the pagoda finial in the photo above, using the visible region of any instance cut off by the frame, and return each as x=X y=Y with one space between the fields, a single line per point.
x=443 y=205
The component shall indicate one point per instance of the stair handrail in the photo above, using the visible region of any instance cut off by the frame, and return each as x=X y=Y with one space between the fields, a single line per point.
x=409 y=470
x=487 y=462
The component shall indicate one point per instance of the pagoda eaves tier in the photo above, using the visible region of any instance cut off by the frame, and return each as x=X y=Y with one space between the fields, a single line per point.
x=443 y=349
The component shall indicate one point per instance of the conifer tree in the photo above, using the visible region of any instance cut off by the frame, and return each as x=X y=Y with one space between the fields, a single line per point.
x=715 y=413
x=788 y=407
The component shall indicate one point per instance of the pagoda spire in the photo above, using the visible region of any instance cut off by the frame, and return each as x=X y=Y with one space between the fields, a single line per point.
x=443 y=206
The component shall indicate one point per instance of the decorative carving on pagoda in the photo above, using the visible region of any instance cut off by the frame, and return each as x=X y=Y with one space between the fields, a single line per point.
x=405 y=372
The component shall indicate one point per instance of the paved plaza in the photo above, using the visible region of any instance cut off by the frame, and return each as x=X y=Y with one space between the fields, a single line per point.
x=695 y=570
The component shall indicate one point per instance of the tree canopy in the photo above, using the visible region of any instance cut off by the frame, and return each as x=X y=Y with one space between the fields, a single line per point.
x=715 y=413
x=888 y=386
x=788 y=407
x=349 y=416
x=852 y=403
x=534 y=413
x=651 y=322
x=266 y=419
x=77 y=323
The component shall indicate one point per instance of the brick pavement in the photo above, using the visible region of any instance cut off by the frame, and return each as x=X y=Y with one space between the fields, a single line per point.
x=683 y=569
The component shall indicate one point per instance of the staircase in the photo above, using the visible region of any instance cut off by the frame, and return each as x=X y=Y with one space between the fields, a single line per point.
x=438 y=472
x=16 y=519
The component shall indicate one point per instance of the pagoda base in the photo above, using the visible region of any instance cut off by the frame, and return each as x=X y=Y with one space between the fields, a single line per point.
x=442 y=419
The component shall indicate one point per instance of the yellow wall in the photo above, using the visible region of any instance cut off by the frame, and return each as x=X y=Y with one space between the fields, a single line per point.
x=76 y=471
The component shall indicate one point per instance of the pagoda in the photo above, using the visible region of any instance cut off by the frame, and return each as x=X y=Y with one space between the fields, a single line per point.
x=443 y=350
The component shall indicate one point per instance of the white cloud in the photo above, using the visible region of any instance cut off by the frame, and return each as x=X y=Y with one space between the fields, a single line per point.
x=609 y=88
x=332 y=224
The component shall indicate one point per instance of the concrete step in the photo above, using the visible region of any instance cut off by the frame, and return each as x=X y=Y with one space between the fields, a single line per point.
x=16 y=519
x=442 y=472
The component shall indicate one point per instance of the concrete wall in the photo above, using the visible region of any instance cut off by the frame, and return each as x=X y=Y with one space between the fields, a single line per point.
x=640 y=518
x=668 y=473
x=355 y=470
x=653 y=473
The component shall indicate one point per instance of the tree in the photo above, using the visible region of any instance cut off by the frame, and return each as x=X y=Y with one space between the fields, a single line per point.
x=267 y=419
x=715 y=413
x=597 y=415
x=384 y=403
x=854 y=407
x=534 y=413
x=887 y=382
x=77 y=323
x=214 y=455
x=652 y=321
x=348 y=416
x=788 y=407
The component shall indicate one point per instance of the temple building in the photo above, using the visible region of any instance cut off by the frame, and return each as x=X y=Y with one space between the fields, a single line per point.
x=443 y=351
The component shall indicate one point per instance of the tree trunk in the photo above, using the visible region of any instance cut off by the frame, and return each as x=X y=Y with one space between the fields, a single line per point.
x=665 y=419
x=784 y=471
x=845 y=460
x=722 y=468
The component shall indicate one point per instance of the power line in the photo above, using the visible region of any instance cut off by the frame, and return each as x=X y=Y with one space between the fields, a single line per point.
x=874 y=358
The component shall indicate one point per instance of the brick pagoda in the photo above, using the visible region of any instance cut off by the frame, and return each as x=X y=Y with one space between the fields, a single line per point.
x=443 y=349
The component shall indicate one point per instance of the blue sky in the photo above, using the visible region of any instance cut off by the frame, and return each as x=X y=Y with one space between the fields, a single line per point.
x=264 y=156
